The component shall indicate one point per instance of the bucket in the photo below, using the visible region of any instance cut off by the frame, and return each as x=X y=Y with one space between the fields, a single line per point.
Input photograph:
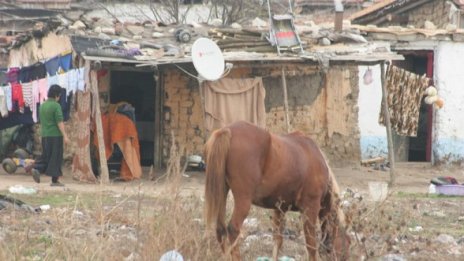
x=378 y=190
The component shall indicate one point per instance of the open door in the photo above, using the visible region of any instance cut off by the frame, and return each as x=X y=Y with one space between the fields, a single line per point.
x=417 y=149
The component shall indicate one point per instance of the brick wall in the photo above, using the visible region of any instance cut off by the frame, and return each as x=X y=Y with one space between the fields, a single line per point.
x=183 y=116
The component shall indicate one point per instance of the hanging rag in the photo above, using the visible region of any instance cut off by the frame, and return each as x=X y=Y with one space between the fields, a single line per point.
x=228 y=100
x=404 y=96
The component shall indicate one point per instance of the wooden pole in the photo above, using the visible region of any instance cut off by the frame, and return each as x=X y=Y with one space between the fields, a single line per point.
x=391 y=156
x=284 y=87
x=104 y=173
x=203 y=108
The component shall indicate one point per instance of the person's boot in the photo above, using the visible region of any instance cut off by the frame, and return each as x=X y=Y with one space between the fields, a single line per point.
x=36 y=175
x=57 y=184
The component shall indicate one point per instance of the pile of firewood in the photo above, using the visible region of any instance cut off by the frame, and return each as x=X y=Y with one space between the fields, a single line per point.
x=251 y=40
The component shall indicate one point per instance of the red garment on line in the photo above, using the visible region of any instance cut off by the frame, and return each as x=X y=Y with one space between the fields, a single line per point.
x=17 y=97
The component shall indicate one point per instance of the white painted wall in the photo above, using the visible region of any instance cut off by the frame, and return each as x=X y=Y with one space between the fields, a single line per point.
x=373 y=141
x=448 y=142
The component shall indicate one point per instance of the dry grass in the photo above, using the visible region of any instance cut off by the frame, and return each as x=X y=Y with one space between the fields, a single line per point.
x=137 y=227
x=108 y=226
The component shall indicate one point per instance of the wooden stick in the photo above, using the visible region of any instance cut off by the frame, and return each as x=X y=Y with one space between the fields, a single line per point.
x=233 y=31
x=373 y=160
x=104 y=174
x=391 y=156
x=259 y=49
x=284 y=87
x=243 y=45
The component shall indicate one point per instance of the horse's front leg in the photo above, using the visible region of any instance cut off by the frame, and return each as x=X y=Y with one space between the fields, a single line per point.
x=310 y=213
x=241 y=208
x=278 y=222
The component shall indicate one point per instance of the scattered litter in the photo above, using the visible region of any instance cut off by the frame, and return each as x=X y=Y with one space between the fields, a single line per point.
x=20 y=189
x=44 y=207
x=440 y=214
x=77 y=213
x=445 y=239
x=283 y=258
x=416 y=229
x=393 y=257
x=251 y=223
x=432 y=189
x=134 y=256
x=6 y=201
x=378 y=190
x=171 y=256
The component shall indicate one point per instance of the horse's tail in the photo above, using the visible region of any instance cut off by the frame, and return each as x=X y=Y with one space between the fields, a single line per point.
x=216 y=150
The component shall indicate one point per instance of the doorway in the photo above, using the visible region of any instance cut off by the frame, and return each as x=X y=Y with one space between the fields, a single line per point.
x=138 y=89
x=417 y=149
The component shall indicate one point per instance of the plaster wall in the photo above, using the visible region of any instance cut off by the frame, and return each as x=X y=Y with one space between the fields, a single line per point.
x=448 y=136
x=373 y=141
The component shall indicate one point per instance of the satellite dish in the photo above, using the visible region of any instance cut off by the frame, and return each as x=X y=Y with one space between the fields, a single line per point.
x=207 y=59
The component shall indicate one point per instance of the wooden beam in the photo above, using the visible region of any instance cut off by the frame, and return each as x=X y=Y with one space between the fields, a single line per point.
x=284 y=87
x=391 y=155
x=104 y=173
x=158 y=119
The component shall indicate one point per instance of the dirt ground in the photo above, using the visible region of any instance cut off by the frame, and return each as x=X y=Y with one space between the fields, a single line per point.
x=409 y=178
x=410 y=224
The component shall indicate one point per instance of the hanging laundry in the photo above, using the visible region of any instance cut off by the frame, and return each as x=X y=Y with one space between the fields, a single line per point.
x=81 y=79
x=65 y=102
x=43 y=90
x=3 y=78
x=63 y=80
x=13 y=75
x=52 y=65
x=8 y=95
x=16 y=118
x=17 y=97
x=25 y=74
x=72 y=81
x=3 y=107
x=27 y=94
x=52 y=80
x=35 y=99
x=66 y=62
x=38 y=71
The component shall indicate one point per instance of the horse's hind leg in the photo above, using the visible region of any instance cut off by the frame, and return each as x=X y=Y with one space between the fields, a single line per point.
x=278 y=225
x=310 y=213
x=241 y=208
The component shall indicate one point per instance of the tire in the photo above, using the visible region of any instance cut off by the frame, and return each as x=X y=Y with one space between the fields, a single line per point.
x=184 y=37
x=20 y=153
x=9 y=166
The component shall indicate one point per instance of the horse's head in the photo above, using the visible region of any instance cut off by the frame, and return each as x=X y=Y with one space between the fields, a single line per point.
x=341 y=245
x=336 y=243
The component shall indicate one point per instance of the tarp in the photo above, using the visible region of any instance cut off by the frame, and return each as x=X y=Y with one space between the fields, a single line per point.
x=119 y=129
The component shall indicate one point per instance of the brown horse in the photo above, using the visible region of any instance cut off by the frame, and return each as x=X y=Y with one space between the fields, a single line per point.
x=283 y=173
